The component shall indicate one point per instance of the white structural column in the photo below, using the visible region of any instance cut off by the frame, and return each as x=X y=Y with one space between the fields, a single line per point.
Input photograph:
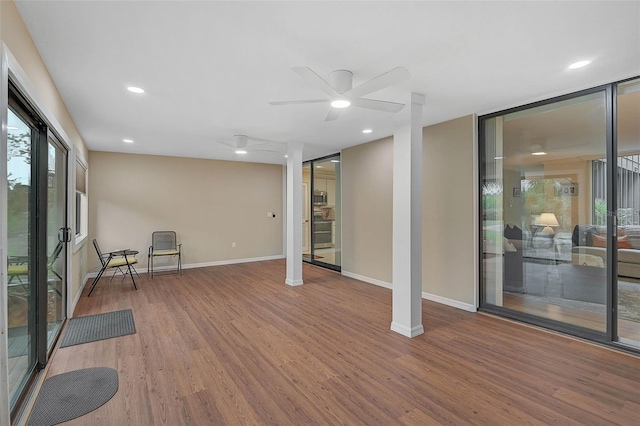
x=294 y=215
x=407 y=219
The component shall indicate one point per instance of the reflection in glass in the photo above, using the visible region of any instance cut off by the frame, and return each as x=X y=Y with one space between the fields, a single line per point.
x=544 y=245
x=20 y=309
x=628 y=194
x=306 y=211
x=321 y=212
x=326 y=211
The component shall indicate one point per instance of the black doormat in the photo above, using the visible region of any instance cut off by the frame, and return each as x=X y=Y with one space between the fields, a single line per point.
x=98 y=327
x=73 y=394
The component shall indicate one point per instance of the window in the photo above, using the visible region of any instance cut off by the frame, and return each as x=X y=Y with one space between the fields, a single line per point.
x=81 y=203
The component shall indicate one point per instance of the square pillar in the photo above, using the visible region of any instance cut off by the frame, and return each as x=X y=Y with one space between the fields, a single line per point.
x=294 y=215
x=407 y=219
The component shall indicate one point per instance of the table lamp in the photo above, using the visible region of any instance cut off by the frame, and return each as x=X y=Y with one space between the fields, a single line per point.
x=549 y=221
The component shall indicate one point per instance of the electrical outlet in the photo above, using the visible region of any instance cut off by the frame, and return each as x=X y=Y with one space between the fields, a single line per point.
x=233 y=244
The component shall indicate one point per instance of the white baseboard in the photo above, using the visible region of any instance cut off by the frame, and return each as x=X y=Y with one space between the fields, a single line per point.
x=449 y=302
x=373 y=281
x=406 y=331
x=197 y=265
x=428 y=296
x=77 y=298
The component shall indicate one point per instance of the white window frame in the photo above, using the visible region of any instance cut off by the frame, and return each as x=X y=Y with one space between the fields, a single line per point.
x=80 y=239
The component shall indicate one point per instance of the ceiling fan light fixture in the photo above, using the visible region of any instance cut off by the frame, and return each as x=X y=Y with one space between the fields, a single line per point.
x=241 y=151
x=340 y=103
x=539 y=153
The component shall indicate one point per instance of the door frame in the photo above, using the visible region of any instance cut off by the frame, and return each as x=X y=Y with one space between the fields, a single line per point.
x=610 y=335
x=10 y=69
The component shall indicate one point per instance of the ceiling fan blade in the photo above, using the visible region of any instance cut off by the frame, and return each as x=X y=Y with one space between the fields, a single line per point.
x=377 y=105
x=315 y=80
x=310 y=101
x=226 y=144
x=334 y=114
x=380 y=82
x=264 y=150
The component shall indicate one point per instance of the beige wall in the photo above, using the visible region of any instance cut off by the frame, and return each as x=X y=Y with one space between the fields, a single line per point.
x=448 y=210
x=209 y=203
x=15 y=36
x=448 y=213
x=367 y=209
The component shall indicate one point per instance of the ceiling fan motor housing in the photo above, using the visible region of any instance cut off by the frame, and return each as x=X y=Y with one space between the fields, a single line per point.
x=341 y=80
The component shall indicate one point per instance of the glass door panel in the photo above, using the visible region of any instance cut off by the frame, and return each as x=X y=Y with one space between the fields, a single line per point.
x=326 y=211
x=20 y=273
x=57 y=233
x=544 y=224
x=628 y=195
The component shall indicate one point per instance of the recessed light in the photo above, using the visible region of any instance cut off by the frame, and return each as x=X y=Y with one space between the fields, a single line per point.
x=579 y=64
x=335 y=161
x=539 y=153
x=135 y=89
x=241 y=151
x=340 y=103
x=286 y=156
x=127 y=140
x=367 y=131
x=498 y=158
x=12 y=128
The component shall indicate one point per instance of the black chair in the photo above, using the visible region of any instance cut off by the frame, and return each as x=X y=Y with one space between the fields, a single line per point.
x=115 y=259
x=164 y=243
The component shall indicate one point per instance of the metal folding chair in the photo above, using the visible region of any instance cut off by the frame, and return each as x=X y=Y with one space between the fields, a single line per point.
x=164 y=243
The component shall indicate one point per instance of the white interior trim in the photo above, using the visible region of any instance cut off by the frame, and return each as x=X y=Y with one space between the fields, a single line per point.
x=192 y=266
x=449 y=302
x=369 y=280
x=5 y=412
x=476 y=214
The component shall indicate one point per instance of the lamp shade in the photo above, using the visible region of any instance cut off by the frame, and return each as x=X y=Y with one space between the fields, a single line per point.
x=547 y=219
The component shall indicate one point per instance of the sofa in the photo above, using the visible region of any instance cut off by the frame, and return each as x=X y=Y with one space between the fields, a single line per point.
x=589 y=248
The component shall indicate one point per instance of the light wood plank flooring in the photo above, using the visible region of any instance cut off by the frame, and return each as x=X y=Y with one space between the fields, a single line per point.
x=233 y=345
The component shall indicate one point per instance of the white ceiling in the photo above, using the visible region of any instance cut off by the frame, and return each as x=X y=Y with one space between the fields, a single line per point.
x=210 y=68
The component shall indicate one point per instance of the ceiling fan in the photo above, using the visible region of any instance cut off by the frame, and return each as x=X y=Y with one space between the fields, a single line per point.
x=343 y=94
x=241 y=145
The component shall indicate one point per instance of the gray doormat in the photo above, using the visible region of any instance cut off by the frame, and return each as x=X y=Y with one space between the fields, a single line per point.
x=98 y=327
x=73 y=394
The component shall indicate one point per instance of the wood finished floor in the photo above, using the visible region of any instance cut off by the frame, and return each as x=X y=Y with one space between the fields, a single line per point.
x=233 y=344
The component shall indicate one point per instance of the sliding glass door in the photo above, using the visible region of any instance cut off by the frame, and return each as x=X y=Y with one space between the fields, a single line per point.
x=537 y=212
x=628 y=202
x=37 y=233
x=57 y=235
x=20 y=275
x=559 y=226
x=321 y=213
